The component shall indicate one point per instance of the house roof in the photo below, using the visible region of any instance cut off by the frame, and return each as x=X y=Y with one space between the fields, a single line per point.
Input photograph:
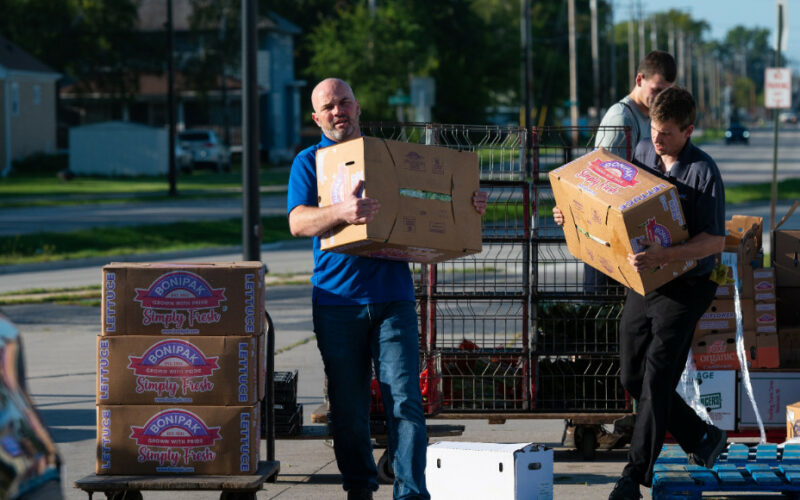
x=13 y=57
x=153 y=17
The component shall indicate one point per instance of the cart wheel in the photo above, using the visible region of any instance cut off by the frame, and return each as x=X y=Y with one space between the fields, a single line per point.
x=588 y=443
x=237 y=495
x=385 y=471
x=124 y=495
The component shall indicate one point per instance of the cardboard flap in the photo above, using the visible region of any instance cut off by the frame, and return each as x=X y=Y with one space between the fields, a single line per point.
x=382 y=184
x=788 y=214
x=465 y=181
x=745 y=232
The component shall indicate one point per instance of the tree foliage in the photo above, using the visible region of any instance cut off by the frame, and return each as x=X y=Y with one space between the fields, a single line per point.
x=79 y=38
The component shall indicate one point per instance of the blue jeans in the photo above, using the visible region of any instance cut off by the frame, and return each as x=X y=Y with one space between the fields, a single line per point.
x=349 y=337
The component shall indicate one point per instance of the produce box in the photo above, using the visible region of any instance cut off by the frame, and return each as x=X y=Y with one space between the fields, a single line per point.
x=609 y=207
x=183 y=299
x=425 y=194
x=142 y=370
x=169 y=440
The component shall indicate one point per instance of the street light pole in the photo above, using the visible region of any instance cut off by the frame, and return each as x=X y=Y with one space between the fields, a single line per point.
x=171 y=174
x=774 y=192
x=251 y=219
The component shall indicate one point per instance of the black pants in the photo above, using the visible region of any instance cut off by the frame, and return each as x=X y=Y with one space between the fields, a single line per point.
x=655 y=338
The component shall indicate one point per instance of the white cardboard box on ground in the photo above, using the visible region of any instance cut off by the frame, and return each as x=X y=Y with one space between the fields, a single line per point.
x=500 y=471
x=772 y=391
x=718 y=395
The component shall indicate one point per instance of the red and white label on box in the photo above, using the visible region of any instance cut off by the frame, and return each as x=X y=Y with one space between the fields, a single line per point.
x=777 y=88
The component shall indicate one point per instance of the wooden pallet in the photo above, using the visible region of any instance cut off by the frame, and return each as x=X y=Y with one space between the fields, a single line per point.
x=764 y=468
x=239 y=487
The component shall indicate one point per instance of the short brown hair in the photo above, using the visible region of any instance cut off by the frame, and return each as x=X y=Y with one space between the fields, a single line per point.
x=658 y=62
x=674 y=104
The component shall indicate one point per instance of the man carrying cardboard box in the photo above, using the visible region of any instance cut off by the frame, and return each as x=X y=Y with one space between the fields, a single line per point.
x=656 y=329
x=363 y=311
x=656 y=72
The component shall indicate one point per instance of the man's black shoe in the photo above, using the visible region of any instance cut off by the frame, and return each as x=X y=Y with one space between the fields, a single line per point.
x=625 y=489
x=359 y=495
x=715 y=442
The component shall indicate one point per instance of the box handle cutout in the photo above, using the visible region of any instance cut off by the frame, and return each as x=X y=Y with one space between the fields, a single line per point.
x=501 y=467
x=425 y=195
x=534 y=466
x=438 y=463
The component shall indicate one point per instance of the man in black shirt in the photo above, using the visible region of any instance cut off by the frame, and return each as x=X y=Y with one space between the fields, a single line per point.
x=656 y=329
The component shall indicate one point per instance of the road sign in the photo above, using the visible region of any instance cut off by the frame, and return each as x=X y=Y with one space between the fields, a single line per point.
x=777 y=88
x=399 y=99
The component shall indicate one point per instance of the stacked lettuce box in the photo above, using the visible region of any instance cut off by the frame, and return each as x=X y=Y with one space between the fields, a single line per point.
x=181 y=368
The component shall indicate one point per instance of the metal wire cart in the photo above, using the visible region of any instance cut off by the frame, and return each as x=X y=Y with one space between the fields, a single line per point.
x=517 y=333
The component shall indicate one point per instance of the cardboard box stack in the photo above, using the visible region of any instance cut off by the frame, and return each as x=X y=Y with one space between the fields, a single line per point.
x=714 y=343
x=180 y=368
x=609 y=207
x=425 y=194
x=786 y=258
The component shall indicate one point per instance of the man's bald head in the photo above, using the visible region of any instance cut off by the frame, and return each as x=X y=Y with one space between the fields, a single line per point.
x=336 y=110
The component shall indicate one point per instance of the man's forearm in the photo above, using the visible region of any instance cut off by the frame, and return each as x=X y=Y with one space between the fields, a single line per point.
x=699 y=246
x=305 y=220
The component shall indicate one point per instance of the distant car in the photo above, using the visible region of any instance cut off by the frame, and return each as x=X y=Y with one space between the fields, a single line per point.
x=737 y=133
x=787 y=117
x=29 y=462
x=206 y=149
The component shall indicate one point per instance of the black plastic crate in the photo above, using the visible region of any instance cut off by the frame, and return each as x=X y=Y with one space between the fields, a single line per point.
x=288 y=424
x=577 y=328
x=579 y=384
x=285 y=390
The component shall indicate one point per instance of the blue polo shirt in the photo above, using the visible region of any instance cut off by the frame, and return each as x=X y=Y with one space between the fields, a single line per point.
x=341 y=279
x=700 y=188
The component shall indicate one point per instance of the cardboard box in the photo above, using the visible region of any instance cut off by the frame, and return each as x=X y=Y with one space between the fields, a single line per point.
x=787 y=302
x=717 y=351
x=183 y=299
x=789 y=347
x=142 y=370
x=425 y=193
x=746 y=281
x=785 y=251
x=609 y=207
x=501 y=471
x=743 y=235
x=168 y=440
x=772 y=392
x=718 y=395
x=766 y=320
x=721 y=317
x=764 y=285
x=793 y=421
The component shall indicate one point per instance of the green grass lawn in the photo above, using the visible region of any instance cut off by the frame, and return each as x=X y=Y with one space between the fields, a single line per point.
x=43 y=247
x=33 y=188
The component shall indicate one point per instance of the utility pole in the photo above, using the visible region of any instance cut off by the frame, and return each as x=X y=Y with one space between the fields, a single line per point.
x=681 y=59
x=527 y=63
x=631 y=53
x=689 y=79
x=251 y=220
x=595 y=60
x=226 y=125
x=774 y=191
x=642 y=47
x=171 y=173
x=653 y=34
x=573 y=72
x=671 y=39
x=612 y=55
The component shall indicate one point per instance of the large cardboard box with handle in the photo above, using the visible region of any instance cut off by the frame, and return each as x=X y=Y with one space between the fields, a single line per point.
x=609 y=207
x=425 y=194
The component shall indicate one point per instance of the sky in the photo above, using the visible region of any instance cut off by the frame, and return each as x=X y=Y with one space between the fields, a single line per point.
x=723 y=15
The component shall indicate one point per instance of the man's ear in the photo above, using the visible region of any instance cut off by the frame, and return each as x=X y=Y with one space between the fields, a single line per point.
x=688 y=132
x=639 y=78
x=314 y=117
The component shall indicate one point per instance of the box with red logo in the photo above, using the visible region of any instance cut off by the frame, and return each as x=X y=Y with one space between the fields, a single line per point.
x=610 y=206
x=145 y=439
x=764 y=284
x=140 y=370
x=183 y=299
x=717 y=351
x=766 y=320
x=425 y=193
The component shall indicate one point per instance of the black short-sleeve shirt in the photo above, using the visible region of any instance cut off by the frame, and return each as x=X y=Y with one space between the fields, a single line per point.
x=700 y=188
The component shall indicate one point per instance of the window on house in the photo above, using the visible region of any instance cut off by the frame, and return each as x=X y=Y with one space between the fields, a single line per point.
x=14 y=99
x=37 y=94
